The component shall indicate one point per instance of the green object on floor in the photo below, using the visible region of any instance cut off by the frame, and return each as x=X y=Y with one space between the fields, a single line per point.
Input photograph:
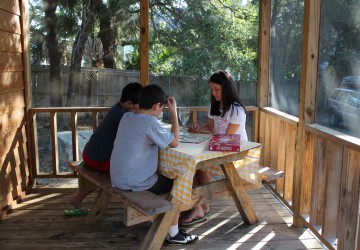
x=76 y=211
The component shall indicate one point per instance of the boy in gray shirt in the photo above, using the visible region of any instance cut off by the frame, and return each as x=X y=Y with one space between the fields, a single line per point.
x=97 y=151
x=134 y=159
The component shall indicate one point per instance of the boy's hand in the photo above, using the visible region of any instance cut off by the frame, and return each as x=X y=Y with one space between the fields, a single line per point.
x=171 y=103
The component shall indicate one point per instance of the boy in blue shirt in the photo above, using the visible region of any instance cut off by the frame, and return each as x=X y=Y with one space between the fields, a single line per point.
x=134 y=159
x=97 y=151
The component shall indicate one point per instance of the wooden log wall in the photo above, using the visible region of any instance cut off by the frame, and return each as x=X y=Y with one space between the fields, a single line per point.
x=14 y=168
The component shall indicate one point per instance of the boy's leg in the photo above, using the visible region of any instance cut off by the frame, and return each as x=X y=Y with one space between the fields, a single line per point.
x=76 y=199
x=175 y=235
x=85 y=188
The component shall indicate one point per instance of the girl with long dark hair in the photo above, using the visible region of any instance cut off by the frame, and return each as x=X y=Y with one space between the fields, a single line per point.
x=226 y=115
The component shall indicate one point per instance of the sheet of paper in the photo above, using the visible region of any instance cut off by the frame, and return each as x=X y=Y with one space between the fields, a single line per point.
x=194 y=138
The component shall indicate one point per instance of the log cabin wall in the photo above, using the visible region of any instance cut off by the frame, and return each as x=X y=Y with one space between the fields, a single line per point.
x=14 y=75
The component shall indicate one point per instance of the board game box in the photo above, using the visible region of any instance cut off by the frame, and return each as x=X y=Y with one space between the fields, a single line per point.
x=225 y=142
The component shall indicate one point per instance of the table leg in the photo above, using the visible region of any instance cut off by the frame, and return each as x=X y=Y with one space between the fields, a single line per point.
x=160 y=227
x=241 y=199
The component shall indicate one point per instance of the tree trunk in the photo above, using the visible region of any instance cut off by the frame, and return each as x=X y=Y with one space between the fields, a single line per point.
x=76 y=88
x=55 y=53
x=107 y=34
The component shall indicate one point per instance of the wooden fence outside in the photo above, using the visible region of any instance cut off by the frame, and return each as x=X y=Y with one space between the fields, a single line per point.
x=102 y=87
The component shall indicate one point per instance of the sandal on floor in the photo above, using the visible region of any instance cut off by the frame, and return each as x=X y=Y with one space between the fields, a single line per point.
x=76 y=211
x=193 y=221
x=184 y=214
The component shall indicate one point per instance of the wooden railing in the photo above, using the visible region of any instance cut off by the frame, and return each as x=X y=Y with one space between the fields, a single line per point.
x=330 y=174
x=277 y=134
x=53 y=121
x=330 y=200
x=73 y=113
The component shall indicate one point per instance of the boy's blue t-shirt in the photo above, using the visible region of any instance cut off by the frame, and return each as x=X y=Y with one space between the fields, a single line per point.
x=134 y=159
x=100 y=145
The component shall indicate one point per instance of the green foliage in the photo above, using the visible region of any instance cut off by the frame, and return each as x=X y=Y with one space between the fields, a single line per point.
x=286 y=37
x=199 y=37
x=69 y=20
x=37 y=32
x=187 y=37
x=340 y=37
x=68 y=24
x=133 y=62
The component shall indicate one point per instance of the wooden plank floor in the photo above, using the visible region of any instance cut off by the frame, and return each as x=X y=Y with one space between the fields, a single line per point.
x=38 y=223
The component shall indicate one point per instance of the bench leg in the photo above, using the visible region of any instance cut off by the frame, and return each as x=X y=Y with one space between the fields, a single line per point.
x=160 y=227
x=96 y=212
x=239 y=194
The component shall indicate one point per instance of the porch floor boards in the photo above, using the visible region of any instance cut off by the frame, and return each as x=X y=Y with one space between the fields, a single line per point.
x=39 y=223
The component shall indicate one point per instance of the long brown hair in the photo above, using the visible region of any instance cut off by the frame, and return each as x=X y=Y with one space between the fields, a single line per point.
x=230 y=95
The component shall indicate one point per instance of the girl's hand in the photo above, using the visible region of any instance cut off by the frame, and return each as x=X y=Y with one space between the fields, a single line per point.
x=193 y=128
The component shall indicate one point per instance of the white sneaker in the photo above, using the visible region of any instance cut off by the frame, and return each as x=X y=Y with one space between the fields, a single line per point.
x=182 y=238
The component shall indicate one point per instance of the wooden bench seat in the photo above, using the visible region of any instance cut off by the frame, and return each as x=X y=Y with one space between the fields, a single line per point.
x=267 y=174
x=145 y=206
x=144 y=202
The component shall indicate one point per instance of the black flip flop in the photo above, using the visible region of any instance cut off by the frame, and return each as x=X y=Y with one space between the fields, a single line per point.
x=193 y=221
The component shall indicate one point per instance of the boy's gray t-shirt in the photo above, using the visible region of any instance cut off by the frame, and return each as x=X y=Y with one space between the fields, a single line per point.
x=134 y=159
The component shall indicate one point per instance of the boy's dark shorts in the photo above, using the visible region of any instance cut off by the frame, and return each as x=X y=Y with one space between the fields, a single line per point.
x=162 y=186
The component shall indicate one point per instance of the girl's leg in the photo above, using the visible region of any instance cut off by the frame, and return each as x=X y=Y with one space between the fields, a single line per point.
x=201 y=177
x=204 y=177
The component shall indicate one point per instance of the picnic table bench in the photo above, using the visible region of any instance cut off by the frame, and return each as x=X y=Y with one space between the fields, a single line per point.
x=144 y=202
x=145 y=206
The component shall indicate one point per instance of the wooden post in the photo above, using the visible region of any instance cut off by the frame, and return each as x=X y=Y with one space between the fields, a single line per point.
x=25 y=45
x=74 y=136
x=144 y=42
x=264 y=53
x=263 y=70
x=54 y=143
x=308 y=86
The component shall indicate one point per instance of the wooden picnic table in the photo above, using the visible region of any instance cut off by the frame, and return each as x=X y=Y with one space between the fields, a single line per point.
x=240 y=170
